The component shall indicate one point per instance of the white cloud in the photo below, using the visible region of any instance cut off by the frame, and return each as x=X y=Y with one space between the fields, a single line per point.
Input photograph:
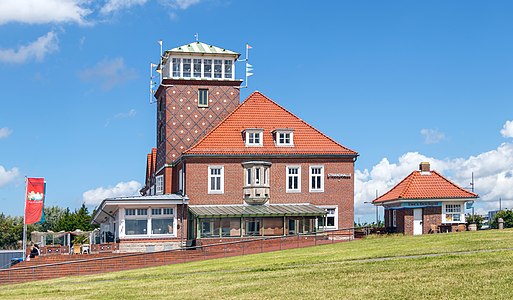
x=116 y=5
x=507 y=129
x=95 y=196
x=36 y=50
x=492 y=170
x=123 y=115
x=5 y=132
x=42 y=12
x=108 y=73
x=129 y=114
x=179 y=4
x=432 y=136
x=7 y=176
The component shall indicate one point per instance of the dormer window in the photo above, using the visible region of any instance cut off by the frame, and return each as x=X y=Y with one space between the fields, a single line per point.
x=253 y=137
x=283 y=137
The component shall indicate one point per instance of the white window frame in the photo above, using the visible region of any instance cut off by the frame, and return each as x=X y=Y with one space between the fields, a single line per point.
x=251 y=134
x=230 y=63
x=148 y=217
x=180 y=179
x=335 y=215
x=288 y=175
x=394 y=218
x=451 y=210
x=321 y=175
x=199 y=97
x=210 y=176
x=278 y=138
x=159 y=185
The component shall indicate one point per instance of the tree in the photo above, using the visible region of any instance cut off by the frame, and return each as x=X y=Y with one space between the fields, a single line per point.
x=506 y=215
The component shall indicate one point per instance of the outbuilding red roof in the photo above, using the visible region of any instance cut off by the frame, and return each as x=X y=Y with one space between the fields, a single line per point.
x=260 y=112
x=425 y=185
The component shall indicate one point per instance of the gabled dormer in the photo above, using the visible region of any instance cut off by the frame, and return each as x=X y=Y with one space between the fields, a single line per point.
x=283 y=137
x=253 y=137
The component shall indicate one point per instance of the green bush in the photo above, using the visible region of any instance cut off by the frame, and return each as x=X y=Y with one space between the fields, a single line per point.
x=506 y=215
x=476 y=219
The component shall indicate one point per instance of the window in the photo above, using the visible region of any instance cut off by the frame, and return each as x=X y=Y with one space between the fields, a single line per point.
x=197 y=67
x=453 y=212
x=317 y=179
x=254 y=137
x=284 y=138
x=162 y=221
x=176 y=67
x=215 y=180
x=136 y=221
x=207 y=68
x=161 y=134
x=159 y=185
x=209 y=227
x=180 y=180
x=394 y=218
x=252 y=226
x=293 y=179
x=330 y=221
x=228 y=69
x=186 y=67
x=203 y=98
x=218 y=68
x=257 y=173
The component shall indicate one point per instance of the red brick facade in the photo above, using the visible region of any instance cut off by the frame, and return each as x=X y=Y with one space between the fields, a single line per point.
x=337 y=191
x=431 y=218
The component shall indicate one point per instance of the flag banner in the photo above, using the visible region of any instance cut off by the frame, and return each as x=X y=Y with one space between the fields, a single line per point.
x=34 y=200
x=248 y=46
x=469 y=205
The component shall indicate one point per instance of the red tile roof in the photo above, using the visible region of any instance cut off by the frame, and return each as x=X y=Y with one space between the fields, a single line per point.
x=258 y=111
x=425 y=185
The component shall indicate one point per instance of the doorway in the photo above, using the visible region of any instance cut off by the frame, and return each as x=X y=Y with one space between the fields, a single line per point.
x=417 y=221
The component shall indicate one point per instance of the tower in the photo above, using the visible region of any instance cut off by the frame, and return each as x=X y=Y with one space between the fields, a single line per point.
x=197 y=91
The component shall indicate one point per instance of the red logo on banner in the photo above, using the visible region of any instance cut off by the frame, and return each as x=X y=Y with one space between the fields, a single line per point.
x=34 y=200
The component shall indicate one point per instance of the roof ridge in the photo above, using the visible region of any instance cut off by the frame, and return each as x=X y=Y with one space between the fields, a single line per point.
x=455 y=185
x=398 y=184
x=307 y=124
x=222 y=121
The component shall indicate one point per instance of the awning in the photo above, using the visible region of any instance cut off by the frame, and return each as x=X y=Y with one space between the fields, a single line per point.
x=272 y=210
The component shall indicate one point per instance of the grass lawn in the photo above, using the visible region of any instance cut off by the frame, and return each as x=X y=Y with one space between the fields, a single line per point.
x=350 y=270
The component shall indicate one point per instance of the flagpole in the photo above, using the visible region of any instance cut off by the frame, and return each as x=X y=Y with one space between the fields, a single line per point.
x=24 y=219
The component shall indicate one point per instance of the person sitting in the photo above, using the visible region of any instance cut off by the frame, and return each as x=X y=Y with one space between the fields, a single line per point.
x=35 y=251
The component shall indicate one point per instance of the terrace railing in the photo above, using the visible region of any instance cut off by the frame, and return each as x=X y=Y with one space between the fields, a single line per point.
x=40 y=268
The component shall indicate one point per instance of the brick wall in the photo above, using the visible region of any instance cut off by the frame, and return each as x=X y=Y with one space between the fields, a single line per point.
x=183 y=121
x=55 y=266
x=337 y=191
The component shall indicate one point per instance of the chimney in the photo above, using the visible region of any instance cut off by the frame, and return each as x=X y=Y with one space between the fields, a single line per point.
x=424 y=167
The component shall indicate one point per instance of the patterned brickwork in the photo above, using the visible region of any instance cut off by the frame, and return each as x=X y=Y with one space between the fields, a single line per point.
x=184 y=122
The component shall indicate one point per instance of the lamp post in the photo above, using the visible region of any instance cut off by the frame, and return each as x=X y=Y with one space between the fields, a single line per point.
x=377 y=215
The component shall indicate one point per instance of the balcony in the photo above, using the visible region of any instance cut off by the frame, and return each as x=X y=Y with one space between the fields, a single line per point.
x=256 y=194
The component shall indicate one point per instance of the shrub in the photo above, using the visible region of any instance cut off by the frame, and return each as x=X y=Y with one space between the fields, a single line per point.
x=506 y=215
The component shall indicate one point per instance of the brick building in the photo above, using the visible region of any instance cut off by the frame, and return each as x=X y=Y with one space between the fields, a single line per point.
x=425 y=202
x=224 y=169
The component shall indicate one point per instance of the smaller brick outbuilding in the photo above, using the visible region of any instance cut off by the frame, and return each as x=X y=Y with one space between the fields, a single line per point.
x=425 y=202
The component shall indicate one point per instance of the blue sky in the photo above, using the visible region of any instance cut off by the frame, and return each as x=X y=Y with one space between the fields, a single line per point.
x=398 y=81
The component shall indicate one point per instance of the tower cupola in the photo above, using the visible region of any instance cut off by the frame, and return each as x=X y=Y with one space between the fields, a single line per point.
x=199 y=61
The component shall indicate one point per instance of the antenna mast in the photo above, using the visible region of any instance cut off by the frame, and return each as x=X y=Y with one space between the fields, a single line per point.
x=158 y=69
x=249 y=68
